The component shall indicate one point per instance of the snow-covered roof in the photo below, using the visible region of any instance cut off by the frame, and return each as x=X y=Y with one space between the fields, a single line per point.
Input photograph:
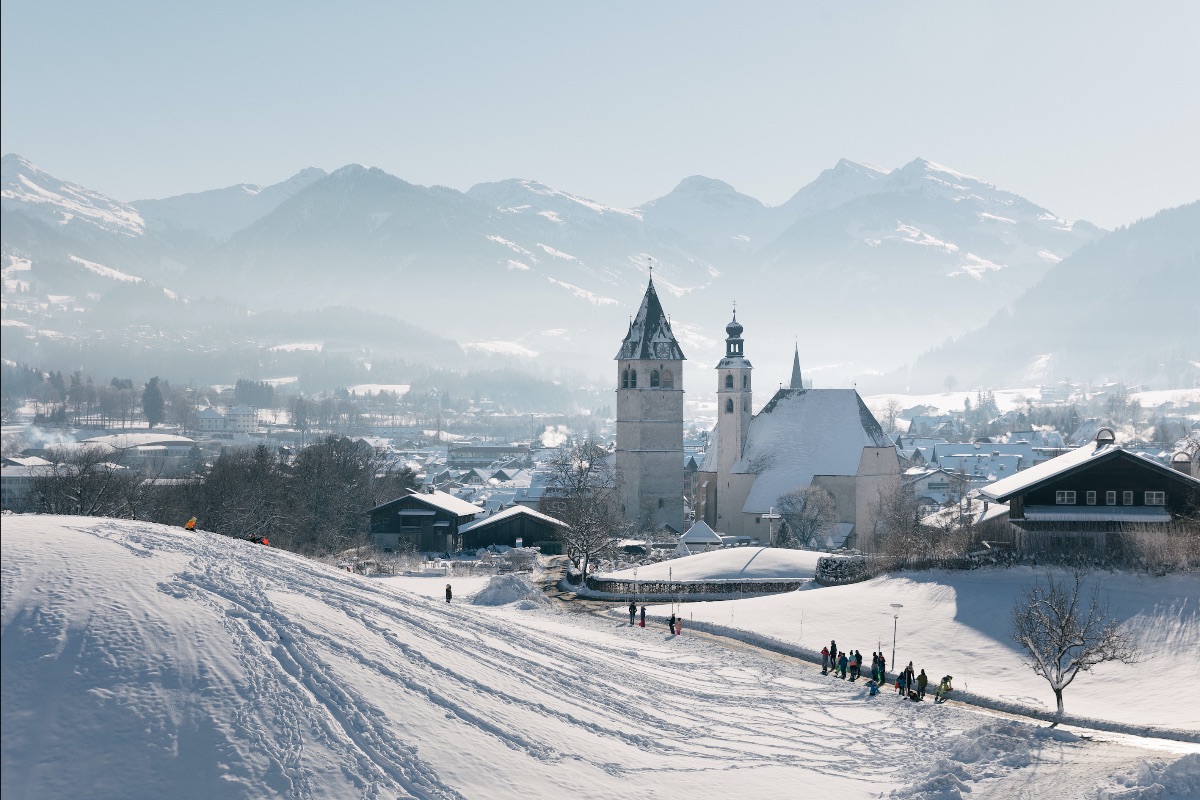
x=208 y=413
x=700 y=533
x=509 y=513
x=442 y=500
x=650 y=335
x=1069 y=462
x=801 y=433
x=121 y=441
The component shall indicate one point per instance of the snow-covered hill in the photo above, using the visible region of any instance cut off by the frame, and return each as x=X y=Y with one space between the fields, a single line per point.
x=141 y=661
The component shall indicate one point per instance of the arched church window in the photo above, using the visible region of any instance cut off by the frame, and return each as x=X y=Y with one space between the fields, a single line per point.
x=668 y=379
x=625 y=379
x=729 y=381
x=653 y=379
x=729 y=406
x=745 y=381
x=633 y=379
x=746 y=406
x=660 y=502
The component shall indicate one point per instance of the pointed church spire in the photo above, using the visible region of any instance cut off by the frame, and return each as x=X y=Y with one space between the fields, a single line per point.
x=650 y=335
x=797 y=380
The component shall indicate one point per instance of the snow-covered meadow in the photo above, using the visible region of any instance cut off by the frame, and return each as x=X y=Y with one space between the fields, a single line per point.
x=142 y=662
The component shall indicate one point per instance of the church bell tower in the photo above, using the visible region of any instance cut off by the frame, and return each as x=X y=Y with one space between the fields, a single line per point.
x=734 y=398
x=650 y=419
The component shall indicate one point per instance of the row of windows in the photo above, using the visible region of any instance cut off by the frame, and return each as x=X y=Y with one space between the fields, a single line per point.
x=729 y=381
x=665 y=380
x=1068 y=498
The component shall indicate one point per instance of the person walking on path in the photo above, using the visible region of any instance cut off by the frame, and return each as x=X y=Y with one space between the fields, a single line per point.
x=632 y=612
x=824 y=660
x=671 y=623
x=858 y=663
x=843 y=661
x=922 y=682
x=643 y=622
x=882 y=669
x=900 y=685
x=833 y=655
x=449 y=593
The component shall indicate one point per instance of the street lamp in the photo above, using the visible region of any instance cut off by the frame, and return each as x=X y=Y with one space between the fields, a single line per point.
x=895 y=624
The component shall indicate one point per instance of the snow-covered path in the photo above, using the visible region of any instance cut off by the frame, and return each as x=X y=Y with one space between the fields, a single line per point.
x=142 y=661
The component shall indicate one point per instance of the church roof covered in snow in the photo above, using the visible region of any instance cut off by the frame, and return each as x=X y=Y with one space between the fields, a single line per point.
x=650 y=335
x=801 y=433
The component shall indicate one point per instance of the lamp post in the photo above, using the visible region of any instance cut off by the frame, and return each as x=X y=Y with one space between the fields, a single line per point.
x=770 y=517
x=895 y=625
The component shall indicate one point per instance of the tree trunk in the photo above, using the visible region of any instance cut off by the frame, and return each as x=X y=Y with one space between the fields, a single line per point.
x=1059 y=715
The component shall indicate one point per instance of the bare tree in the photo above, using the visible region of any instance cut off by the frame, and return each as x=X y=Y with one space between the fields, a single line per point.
x=1063 y=635
x=810 y=513
x=581 y=490
x=89 y=481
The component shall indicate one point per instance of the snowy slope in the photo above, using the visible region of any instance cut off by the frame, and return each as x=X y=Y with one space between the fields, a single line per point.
x=144 y=662
x=37 y=192
x=731 y=563
x=958 y=622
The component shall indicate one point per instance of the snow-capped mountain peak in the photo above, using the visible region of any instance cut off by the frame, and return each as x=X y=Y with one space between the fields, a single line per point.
x=27 y=187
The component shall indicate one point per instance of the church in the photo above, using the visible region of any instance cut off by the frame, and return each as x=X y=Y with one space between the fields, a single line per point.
x=821 y=437
x=801 y=437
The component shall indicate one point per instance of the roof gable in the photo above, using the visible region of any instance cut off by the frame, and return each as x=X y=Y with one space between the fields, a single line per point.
x=805 y=432
x=1072 y=462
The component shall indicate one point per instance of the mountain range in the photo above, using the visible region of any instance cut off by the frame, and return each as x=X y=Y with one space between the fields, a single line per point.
x=865 y=268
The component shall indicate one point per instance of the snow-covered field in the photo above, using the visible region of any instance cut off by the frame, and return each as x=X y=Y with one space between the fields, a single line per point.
x=144 y=662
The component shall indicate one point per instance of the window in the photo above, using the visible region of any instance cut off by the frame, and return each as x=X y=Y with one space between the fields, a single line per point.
x=633 y=379
x=625 y=379
x=668 y=379
x=1091 y=498
x=653 y=379
x=729 y=381
x=1064 y=498
x=1110 y=498
x=729 y=406
x=745 y=381
x=660 y=502
x=1156 y=498
x=1126 y=498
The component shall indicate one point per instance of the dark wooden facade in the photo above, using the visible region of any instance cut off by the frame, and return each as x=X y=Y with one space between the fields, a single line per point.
x=532 y=530
x=414 y=523
x=1120 y=474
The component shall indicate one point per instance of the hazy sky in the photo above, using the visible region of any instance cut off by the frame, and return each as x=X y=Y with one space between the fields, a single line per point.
x=1091 y=109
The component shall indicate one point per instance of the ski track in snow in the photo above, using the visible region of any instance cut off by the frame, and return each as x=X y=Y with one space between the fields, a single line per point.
x=329 y=659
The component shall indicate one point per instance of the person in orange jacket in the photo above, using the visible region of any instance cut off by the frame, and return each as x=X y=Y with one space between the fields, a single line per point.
x=190 y=525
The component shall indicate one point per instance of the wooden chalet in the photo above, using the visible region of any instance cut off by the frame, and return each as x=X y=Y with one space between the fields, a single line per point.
x=424 y=522
x=1079 y=499
x=515 y=527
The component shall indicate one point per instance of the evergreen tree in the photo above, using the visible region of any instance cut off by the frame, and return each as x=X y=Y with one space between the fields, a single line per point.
x=152 y=402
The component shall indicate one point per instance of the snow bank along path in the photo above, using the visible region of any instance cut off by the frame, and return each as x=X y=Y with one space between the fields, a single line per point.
x=140 y=661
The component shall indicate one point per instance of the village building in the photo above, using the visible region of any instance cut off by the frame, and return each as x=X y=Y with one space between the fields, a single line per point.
x=1077 y=500
x=517 y=526
x=801 y=437
x=649 y=452
x=421 y=522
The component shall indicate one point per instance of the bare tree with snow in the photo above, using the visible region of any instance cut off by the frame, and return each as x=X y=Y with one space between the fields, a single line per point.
x=809 y=513
x=1064 y=635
